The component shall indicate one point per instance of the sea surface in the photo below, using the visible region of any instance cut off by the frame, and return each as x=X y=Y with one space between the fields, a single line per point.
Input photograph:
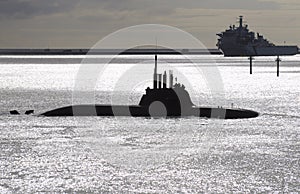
x=148 y=155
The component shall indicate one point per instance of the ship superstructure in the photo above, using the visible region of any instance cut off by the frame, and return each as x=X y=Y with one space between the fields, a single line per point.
x=240 y=41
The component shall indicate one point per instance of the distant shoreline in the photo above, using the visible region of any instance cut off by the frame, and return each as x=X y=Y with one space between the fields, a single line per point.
x=108 y=51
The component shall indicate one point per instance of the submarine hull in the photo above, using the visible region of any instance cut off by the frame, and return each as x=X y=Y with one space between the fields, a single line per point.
x=160 y=101
x=140 y=111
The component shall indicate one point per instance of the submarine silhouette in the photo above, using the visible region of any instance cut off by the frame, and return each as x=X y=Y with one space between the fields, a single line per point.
x=160 y=101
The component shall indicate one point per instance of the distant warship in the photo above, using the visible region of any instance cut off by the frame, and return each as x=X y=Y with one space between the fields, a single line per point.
x=239 y=41
x=160 y=101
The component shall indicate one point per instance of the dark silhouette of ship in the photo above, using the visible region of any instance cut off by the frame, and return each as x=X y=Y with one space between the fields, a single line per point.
x=160 y=101
x=239 y=41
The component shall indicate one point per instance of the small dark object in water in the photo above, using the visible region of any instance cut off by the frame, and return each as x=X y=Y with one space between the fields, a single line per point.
x=28 y=112
x=14 y=112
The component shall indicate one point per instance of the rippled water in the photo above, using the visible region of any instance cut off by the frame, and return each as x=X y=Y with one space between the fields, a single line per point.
x=103 y=154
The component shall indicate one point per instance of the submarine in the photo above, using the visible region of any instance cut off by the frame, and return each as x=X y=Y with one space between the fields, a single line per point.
x=159 y=101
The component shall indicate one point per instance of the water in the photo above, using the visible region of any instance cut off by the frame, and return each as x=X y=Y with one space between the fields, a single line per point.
x=103 y=154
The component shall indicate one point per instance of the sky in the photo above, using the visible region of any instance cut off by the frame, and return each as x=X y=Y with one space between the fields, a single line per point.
x=82 y=23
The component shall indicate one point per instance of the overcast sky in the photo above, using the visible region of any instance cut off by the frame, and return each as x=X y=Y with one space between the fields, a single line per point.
x=82 y=23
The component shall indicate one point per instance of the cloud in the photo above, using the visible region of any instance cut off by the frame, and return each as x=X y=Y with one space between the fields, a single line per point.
x=31 y=8
x=206 y=4
x=80 y=23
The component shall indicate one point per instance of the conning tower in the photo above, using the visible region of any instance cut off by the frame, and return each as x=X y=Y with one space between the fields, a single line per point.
x=173 y=97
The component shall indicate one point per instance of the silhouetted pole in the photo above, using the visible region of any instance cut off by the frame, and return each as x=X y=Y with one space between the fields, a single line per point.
x=155 y=74
x=159 y=81
x=165 y=80
x=241 y=21
x=171 y=79
x=278 y=61
x=250 y=58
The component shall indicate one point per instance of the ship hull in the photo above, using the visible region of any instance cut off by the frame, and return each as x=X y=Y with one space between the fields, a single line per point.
x=140 y=111
x=235 y=51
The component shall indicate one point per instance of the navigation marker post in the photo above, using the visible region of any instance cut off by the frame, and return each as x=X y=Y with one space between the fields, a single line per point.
x=250 y=58
x=278 y=62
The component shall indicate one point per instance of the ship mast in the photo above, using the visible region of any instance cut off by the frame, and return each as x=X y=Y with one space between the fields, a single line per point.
x=241 y=21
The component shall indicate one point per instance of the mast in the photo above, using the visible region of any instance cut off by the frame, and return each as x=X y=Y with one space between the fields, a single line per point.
x=155 y=74
x=159 y=81
x=241 y=21
x=170 y=79
x=165 y=80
